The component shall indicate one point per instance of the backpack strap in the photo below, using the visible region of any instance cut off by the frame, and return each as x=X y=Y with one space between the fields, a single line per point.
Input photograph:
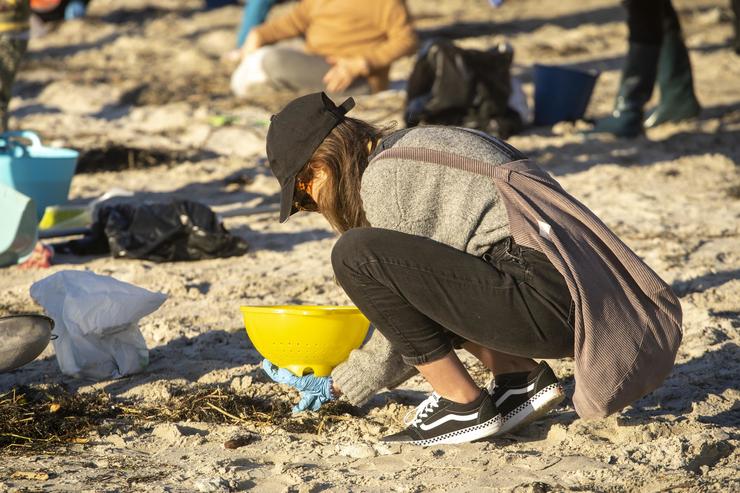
x=449 y=159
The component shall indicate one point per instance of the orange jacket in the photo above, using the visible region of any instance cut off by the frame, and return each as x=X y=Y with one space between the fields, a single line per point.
x=378 y=30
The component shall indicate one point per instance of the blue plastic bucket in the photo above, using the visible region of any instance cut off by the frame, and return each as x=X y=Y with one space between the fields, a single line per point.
x=561 y=93
x=42 y=173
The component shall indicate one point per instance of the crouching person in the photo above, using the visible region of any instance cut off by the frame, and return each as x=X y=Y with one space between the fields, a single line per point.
x=451 y=239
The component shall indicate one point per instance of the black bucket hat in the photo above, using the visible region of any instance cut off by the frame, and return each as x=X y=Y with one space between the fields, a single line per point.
x=294 y=135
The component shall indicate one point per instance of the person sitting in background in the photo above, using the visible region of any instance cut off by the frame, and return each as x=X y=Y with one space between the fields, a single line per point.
x=14 y=25
x=349 y=47
x=57 y=10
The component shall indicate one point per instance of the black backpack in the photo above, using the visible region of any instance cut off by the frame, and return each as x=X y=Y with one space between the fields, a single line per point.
x=470 y=88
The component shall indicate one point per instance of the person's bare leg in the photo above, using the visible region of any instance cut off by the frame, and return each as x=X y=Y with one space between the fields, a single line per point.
x=498 y=362
x=450 y=379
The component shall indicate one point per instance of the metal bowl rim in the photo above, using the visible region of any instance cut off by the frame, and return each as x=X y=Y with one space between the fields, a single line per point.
x=34 y=315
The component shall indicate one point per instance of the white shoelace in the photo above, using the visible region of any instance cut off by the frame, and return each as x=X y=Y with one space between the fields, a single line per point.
x=491 y=387
x=422 y=410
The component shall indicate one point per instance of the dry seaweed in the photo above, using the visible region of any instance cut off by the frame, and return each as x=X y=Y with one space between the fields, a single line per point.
x=36 y=419
x=222 y=405
x=39 y=418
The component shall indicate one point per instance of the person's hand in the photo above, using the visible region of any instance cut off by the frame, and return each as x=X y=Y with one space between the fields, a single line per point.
x=315 y=391
x=232 y=56
x=344 y=71
x=252 y=43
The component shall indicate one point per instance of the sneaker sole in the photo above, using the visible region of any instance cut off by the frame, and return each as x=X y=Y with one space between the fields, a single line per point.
x=465 y=435
x=536 y=407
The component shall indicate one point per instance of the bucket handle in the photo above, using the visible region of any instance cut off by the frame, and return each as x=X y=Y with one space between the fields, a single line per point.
x=23 y=134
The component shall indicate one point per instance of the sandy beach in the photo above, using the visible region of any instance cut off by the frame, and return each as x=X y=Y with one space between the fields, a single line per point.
x=138 y=88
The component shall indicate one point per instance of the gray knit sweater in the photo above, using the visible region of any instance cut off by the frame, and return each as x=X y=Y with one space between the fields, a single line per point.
x=454 y=207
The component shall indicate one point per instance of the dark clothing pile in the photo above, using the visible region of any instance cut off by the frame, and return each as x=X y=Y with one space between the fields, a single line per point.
x=469 y=88
x=157 y=231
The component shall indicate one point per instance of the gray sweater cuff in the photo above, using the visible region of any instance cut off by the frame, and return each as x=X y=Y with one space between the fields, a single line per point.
x=369 y=369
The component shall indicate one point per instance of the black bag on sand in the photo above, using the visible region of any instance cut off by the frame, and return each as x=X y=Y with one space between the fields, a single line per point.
x=469 y=88
x=158 y=231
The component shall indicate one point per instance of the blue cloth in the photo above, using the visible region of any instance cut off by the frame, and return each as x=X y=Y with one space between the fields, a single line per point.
x=315 y=391
x=255 y=13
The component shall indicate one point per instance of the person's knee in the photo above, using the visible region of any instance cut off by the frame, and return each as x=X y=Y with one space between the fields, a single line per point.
x=350 y=249
x=272 y=61
x=343 y=252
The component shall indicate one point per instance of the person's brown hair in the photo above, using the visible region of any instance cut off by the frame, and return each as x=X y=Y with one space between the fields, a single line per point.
x=344 y=154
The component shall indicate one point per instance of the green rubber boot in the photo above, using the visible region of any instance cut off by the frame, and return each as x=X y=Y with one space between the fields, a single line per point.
x=677 y=99
x=635 y=89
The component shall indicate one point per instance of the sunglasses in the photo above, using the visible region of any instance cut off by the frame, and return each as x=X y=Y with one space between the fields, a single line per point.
x=302 y=199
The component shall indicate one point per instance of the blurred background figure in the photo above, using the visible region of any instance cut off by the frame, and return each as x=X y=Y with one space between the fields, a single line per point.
x=349 y=47
x=56 y=10
x=736 y=10
x=254 y=13
x=14 y=26
x=656 y=50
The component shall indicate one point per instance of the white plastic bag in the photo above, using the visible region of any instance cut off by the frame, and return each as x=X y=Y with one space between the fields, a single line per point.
x=96 y=323
x=249 y=72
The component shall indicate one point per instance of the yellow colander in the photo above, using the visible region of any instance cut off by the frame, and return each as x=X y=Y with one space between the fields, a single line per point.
x=305 y=339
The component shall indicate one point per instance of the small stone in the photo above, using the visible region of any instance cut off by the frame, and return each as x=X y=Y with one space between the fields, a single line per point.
x=210 y=485
x=116 y=441
x=241 y=440
x=168 y=431
x=241 y=384
x=357 y=451
x=383 y=449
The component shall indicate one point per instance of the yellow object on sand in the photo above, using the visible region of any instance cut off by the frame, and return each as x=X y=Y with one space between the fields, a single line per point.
x=61 y=217
x=305 y=339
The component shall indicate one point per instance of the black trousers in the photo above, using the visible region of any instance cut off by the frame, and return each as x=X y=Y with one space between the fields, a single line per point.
x=647 y=20
x=426 y=297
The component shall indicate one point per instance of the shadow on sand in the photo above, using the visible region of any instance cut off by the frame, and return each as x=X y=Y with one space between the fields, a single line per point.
x=457 y=30
x=705 y=282
x=591 y=151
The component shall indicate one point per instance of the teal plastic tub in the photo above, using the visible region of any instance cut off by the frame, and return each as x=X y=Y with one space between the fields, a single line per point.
x=42 y=173
x=18 y=226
